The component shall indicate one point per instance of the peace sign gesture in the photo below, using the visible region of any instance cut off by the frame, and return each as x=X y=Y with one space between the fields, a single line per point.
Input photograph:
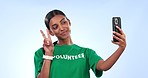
x=47 y=43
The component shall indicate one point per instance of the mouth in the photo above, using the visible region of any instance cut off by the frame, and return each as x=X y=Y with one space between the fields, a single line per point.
x=63 y=33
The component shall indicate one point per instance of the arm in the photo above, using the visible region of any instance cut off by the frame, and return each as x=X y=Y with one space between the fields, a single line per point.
x=107 y=64
x=48 y=47
x=45 y=69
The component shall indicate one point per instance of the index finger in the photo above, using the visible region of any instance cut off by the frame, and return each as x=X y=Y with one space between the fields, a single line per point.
x=44 y=36
x=120 y=30
x=48 y=34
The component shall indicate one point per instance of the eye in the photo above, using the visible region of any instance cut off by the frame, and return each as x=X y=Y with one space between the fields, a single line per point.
x=54 y=27
x=63 y=22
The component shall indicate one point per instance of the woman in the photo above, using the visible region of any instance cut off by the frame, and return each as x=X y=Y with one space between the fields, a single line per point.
x=64 y=59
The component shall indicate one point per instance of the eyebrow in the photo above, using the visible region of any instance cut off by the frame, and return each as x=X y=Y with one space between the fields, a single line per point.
x=60 y=21
x=53 y=24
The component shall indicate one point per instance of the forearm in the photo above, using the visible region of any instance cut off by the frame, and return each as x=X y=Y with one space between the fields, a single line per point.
x=108 y=63
x=45 y=69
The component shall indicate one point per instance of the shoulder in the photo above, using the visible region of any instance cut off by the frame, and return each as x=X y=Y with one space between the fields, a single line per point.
x=79 y=47
x=86 y=49
x=39 y=52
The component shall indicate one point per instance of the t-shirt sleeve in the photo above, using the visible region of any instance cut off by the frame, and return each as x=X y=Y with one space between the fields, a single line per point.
x=93 y=59
x=38 y=61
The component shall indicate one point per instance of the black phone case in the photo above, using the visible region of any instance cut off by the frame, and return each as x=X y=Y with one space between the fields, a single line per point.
x=116 y=21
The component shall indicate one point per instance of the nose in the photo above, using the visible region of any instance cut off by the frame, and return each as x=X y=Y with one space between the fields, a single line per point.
x=61 y=27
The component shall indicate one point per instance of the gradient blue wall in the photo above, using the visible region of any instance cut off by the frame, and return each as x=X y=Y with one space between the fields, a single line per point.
x=20 y=22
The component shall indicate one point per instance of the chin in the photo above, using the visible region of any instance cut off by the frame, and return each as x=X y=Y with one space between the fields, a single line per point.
x=64 y=37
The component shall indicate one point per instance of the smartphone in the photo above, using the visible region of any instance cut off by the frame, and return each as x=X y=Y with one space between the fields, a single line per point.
x=116 y=21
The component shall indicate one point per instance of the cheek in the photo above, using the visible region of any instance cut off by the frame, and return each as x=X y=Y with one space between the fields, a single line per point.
x=57 y=32
x=66 y=25
x=69 y=28
x=54 y=32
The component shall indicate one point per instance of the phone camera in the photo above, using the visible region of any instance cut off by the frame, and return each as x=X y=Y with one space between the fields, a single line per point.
x=116 y=21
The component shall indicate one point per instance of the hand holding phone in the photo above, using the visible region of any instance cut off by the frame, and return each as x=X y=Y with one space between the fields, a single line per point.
x=116 y=21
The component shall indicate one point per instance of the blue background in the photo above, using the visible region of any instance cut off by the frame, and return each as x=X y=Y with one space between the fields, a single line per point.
x=21 y=20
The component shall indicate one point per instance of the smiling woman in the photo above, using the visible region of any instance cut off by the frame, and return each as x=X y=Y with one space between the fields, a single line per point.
x=21 y=20
x=60 y=27
x=64 y=59
x=58 y=24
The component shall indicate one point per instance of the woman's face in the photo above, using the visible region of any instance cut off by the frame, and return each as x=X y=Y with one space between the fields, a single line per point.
x=60 y=27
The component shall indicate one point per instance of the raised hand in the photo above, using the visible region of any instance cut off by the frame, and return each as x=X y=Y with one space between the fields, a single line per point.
x=121 y=38
x=109 y=62
x=47 y=43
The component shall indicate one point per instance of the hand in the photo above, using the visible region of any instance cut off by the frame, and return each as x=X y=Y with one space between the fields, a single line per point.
x=47 y=43
x=120 y=37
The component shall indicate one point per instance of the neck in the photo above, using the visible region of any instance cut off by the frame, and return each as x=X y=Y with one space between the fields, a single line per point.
x=67 y=41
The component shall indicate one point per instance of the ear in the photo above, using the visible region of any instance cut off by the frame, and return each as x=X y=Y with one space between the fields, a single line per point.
x=51 y=33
